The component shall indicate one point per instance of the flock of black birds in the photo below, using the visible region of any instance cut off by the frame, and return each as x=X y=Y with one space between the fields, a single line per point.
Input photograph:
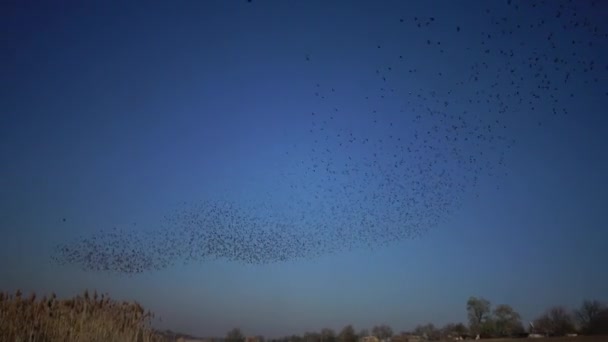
x=399 y=171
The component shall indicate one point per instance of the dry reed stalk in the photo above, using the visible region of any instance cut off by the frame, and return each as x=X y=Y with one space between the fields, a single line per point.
x=82 y=318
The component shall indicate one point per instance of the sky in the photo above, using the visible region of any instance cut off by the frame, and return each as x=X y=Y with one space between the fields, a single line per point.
x=389 y=159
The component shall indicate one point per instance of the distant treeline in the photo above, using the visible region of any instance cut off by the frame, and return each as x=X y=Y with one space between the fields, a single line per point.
x=591 y=318
x=98 y=318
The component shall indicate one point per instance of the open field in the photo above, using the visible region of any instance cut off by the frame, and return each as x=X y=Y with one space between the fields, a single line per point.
x=554 y=339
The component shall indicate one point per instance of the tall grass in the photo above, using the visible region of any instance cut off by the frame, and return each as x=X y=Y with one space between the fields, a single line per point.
x=82 y=318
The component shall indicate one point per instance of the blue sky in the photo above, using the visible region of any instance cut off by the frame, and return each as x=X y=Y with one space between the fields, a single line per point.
x=120 y=115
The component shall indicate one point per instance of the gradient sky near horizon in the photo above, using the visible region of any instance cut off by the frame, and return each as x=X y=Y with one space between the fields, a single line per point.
x=119 y=114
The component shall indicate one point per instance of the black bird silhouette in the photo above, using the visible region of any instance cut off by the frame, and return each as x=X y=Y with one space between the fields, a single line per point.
x=407 y=169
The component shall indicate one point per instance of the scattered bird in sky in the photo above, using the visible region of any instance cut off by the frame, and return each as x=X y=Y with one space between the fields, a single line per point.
x=361 y=191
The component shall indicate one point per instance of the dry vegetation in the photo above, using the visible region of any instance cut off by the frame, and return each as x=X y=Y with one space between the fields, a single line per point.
x=83 y=318
x=99 y=318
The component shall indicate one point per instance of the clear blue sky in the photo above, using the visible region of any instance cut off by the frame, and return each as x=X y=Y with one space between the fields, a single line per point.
x=120 y=115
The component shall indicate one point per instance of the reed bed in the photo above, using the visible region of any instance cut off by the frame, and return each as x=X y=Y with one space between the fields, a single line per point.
x=82 y=318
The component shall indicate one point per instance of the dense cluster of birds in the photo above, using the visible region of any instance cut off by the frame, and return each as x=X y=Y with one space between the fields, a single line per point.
x=403 y=163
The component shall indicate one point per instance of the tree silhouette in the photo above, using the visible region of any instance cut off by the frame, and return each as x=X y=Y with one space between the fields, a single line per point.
x=599 y=324
x=587 y=313
x=478 y=310
x=347 y=334
x=454 y=330
x=235 y=335
x=312 y=337
x=555 y=321
x=507 y=321
x=383 y=332
x=328 y=335
x=428 y=331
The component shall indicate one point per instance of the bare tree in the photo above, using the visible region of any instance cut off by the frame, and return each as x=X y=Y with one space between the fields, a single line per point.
x=235 y=335
x=447 y=330
x=454 y=330
x=507 y=321
x=347 y=334
x=328 y=335
x=478 y=310
x=363 y=333
x=587 y=313
x=296 y=338
x=461 y=329
x=312 y=337
x=599 y=324
x=383 y=331
x=555 y=321
x=428 y=331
